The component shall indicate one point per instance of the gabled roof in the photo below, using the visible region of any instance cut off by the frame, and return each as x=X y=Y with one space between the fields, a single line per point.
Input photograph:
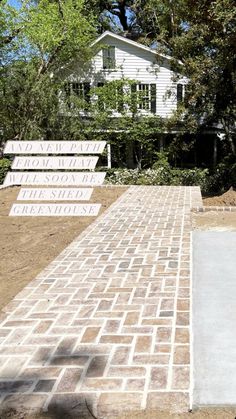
x=130 y=42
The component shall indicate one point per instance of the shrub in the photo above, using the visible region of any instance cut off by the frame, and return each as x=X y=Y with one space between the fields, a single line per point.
x=5 y=165
x=159 y=176
x=191 y=177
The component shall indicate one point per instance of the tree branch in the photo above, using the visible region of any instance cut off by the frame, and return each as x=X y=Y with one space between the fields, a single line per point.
x=7 y=39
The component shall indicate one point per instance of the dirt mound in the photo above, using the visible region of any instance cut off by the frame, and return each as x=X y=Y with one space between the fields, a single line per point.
x=228 y=199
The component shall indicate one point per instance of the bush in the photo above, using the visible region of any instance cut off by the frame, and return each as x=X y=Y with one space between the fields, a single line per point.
x=139 y=177
x=223 y=177
x=159 y=176
x=5 y=165
x=191 y=177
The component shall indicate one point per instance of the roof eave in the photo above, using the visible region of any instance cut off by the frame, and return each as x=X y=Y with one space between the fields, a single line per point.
x=134 y=43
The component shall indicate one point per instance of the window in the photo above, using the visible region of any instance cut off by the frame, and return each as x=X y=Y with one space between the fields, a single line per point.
x=109 y=60
x=81 y=90
x=145 y=95
x=180 y=93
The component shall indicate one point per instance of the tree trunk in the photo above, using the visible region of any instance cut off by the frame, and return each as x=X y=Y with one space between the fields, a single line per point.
x=122 y=16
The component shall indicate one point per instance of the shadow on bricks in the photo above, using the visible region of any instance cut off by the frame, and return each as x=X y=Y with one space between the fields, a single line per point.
x=19 y=403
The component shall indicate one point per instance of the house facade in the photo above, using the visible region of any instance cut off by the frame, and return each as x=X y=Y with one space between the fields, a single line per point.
x=115 y=58
x=161 y=90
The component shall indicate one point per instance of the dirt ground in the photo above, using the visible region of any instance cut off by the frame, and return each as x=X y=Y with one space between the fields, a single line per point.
x=209 y=413
x=227 y=199
x=214 y=220
x=29 y=244
x=206 y=413
x=217 y=220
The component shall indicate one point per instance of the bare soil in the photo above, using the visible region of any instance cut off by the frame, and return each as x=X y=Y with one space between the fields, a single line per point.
x=203 y=413
x=217 y=220
x=227 y=199
x=214 y=220
x=29 y=244
x=209 y=413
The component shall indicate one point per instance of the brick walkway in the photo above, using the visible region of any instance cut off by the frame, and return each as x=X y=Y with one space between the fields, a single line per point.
x=105 y=326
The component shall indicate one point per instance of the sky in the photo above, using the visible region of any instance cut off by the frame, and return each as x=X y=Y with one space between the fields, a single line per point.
x=14 y=3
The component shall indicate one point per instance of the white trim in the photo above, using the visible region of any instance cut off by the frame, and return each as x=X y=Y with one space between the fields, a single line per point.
x=133 y=43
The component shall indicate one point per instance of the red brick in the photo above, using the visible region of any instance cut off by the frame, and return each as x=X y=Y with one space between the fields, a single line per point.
x=101 y=384
x=182 y=335
x=119 y=339
x=97 y=366
x=158 y=379
x=163 y=334
x=69 y=380
x=121 y=355
x=155 y=359
x=143 y=344
x=90 y=334
x=182 y=354
x=113 y=404
x=132 y=318
x=181 y=378
x=170 y=402
x=127 y=372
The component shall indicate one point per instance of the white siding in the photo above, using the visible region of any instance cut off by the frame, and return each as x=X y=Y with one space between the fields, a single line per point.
x=134 y=63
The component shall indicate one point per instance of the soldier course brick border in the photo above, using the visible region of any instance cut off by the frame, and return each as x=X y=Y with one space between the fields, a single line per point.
x=106 y=326
x=213 y=208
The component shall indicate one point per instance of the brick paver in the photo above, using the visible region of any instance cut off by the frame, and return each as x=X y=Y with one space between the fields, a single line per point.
x=106 y=326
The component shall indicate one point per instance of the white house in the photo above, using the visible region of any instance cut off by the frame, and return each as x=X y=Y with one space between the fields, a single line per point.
x=118 y=58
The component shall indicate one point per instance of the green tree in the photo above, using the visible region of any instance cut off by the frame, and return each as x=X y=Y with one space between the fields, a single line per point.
x=202 y=34
x=38 y=42
x=114 y=15
x=208 y=49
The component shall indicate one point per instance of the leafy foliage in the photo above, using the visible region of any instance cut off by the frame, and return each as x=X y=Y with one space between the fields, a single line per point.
x=5 y=165
x=37 y=42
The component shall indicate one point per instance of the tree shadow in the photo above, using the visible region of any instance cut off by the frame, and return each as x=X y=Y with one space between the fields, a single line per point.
x=17 y=401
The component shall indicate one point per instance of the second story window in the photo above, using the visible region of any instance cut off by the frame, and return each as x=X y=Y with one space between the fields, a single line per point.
x=108 y=57
x=145 y=96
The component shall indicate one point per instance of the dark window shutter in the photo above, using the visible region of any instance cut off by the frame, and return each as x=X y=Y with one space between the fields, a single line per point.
x=153 y=98
x=86 y=92
x=179 y=93
x=134 y=97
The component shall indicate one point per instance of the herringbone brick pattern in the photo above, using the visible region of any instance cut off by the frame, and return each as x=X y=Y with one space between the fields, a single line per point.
x=106 y=326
